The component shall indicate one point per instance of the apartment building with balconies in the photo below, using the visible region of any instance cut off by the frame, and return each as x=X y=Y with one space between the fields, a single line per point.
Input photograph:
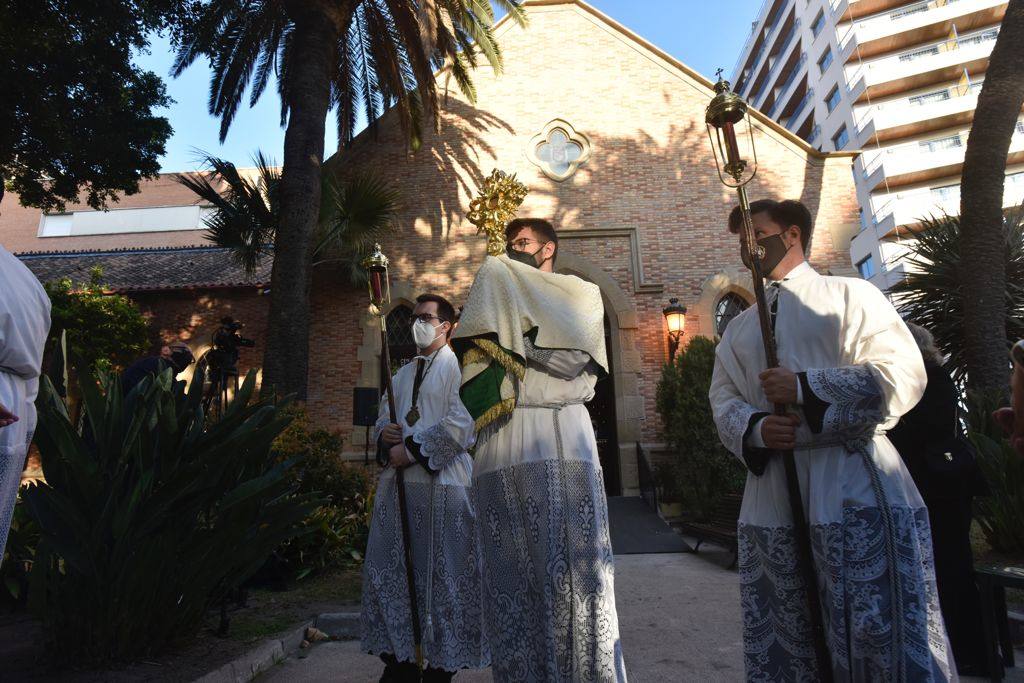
x=896 y=79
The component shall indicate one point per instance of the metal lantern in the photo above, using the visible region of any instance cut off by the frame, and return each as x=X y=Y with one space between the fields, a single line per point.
x=675 y=318
x=376 y=265
x=728 y=124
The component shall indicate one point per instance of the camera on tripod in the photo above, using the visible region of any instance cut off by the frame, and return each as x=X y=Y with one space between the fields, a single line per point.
x=223 y=358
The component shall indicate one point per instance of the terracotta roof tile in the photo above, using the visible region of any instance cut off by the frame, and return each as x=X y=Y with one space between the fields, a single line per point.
x=130 y=270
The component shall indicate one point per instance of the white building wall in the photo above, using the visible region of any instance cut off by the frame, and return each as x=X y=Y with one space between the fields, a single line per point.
x=905 y=172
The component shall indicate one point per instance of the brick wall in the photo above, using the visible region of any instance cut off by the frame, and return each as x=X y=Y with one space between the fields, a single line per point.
x=650 y=172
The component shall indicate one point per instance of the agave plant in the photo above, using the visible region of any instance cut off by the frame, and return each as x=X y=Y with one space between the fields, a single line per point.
x=151 y=516
x=932 y=296
x=354 y=212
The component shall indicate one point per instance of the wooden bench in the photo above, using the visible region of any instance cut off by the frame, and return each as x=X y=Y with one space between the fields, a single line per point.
x=992 y=584
x=720 y=527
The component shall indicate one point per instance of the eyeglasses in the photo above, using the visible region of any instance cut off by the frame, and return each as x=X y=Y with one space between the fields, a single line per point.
x=427 y=317
x=522 y=244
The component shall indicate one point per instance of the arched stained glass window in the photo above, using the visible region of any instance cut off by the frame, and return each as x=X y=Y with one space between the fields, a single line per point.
x=727 y=308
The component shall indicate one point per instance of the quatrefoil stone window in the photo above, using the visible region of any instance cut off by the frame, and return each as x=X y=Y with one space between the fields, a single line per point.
x=559 y=150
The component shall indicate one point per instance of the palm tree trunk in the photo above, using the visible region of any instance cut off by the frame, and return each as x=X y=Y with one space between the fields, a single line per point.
x=983 y=238
x=286 y=359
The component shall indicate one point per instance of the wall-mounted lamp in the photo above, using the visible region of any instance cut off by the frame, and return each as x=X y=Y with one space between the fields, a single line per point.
x=675 y=318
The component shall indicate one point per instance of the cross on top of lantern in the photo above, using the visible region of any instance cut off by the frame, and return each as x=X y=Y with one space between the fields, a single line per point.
x=728 y=124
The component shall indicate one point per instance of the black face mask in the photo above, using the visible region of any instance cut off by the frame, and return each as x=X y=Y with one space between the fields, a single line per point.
x=524 y=257
x=775 y=250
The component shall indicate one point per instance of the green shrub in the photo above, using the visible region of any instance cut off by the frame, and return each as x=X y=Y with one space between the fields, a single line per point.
x=106 y=330
x=1000 y=514
x=150 y=517
x=19 y=555
x=337 y=531
x=706 y=470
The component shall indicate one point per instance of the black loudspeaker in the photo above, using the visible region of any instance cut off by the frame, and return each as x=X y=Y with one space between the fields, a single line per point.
x=365 y=403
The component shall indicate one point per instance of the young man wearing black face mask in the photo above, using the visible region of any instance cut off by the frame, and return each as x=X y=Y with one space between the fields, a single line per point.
x=429 y=444
x=849 y=368
x=532 y=348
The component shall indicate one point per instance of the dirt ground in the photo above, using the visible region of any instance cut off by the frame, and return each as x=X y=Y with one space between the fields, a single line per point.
x=265 y=614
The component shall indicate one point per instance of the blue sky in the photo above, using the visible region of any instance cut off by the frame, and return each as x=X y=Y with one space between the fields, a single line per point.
x=703 y=34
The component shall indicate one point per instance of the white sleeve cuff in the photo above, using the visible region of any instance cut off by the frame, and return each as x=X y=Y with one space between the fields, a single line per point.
x=754 y=439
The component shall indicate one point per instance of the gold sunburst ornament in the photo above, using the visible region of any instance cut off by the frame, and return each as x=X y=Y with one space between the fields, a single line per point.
x=496 y=204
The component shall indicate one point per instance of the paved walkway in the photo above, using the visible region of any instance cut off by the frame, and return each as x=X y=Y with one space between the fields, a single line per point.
x=679 y=618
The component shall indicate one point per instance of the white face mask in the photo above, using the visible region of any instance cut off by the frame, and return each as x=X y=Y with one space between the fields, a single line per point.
x=424 y=334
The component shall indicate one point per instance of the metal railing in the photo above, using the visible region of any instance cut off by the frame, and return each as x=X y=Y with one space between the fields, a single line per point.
x=795 y=116
x=784 y=88
x=645 y=477
x=780 y=59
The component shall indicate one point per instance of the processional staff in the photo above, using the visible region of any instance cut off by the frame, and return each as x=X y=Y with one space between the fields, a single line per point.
x=724 y=114
x=376 y=265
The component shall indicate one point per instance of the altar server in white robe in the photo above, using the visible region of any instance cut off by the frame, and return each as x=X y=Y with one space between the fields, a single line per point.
x=430 y=444
x=531 y=343
x=849 y=369
x=24 y=324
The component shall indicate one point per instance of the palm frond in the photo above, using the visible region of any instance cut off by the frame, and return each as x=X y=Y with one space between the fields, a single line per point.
x=354 y=214
x=245 y=213
x=931 y=294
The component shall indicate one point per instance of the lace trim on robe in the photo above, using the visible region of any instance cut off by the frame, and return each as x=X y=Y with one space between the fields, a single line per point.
x=853 y=395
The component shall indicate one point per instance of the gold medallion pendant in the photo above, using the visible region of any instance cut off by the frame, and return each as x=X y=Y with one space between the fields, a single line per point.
x=413 y=416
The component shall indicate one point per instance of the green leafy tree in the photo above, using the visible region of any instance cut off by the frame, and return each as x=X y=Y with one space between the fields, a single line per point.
x=704 y=469
x=106 y=330
x=247 y=209
x=984 y=274
x=77 y=115
x=351 y=55
x=933 y=293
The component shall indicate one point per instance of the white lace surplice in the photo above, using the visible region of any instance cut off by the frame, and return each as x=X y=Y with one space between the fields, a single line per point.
x=865 y=513
x=24 y=324
x=442 y=525
x=548 y=572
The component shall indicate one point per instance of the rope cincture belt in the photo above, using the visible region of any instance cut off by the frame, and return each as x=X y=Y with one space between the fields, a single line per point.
x=858 y=443
x=556 y=409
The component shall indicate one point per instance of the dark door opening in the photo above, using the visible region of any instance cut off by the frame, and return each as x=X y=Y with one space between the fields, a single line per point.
x=602 y=415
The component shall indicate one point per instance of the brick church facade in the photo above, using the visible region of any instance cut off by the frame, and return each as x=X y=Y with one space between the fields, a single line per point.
x=607 y=132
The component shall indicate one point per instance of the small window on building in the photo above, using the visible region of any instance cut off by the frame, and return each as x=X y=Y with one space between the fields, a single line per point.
x=948 y=142
x=819 y=23
x=866 y=267
x=840 y=139
x=832 y=101
x=826 y=60
x=728 y=307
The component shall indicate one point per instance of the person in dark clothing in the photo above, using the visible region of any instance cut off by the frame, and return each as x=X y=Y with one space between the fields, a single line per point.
x=177 y=356
x=942 y=465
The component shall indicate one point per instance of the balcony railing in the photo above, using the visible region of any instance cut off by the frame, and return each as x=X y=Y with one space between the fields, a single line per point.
x=784 y=88
x=910 y=207
x=815 y=134
x=894 y=67
x=780 y=59
x=877 y=24
x=917 y=107
x=769 y=26
x=795 y=116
